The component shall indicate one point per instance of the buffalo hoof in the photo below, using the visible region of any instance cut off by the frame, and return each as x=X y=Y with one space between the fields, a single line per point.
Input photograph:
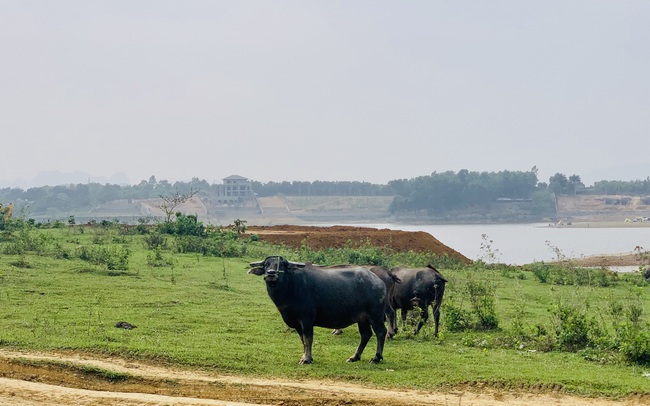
x=376 y=360
x=354 y=359
x=337 y=332
x=304 y=361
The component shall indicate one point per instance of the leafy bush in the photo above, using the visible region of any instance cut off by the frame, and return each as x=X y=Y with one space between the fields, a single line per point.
x=456 y=319
x=630 y=338
x=60 y=252
x=183 y=225
x=481 y=314
x=190 y=243
x=219 y=243
x=481 y=297
x=155 y=241
x=573 y=329
x=26 y=240
x=113 y=258
x=569 y=275
x=635 y=344
x=157 y=260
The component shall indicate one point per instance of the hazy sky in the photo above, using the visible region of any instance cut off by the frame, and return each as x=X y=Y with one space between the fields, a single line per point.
x=324 y=90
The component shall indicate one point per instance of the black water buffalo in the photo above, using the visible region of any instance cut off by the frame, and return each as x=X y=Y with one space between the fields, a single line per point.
x=309 y=296
x=419 y=287
x=389 y=279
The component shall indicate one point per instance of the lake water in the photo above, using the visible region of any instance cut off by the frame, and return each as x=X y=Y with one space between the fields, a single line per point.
x=519 y=244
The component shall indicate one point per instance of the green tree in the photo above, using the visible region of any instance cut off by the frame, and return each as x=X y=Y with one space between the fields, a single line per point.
x=558 y=184
x=575 y=182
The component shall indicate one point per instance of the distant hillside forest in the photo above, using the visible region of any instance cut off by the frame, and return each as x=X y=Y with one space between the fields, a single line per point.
x=435 y=193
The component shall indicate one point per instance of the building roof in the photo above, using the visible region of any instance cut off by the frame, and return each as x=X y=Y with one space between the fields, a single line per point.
x=235 y=177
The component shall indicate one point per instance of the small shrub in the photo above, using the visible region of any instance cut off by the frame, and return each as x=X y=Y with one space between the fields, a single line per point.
x=573 y=329
x=544 y=341
x=567 y=274
x=143 y=226
x=183 y=225
x=541 y=272
x=635 y=345
x=456 y=319
x=155 y=241
x=481 y=297
x=157 y=260
x=112 y=258
x=14 y=248
x=59 y=252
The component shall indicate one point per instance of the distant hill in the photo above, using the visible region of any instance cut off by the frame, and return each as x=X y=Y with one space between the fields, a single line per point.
x=56 y=178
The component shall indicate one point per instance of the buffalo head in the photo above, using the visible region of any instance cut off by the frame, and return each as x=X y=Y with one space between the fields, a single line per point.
x=272 y=267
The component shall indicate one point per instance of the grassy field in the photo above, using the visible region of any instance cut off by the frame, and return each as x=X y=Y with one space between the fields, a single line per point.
x=66 y=288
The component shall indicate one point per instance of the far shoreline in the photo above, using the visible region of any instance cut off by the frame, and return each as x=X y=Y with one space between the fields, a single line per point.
x=602 y=224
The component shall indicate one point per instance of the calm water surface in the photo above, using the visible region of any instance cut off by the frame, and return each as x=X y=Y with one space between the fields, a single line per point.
x=519 y=244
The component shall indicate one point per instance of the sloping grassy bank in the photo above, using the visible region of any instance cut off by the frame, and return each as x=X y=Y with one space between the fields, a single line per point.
x=66 y=288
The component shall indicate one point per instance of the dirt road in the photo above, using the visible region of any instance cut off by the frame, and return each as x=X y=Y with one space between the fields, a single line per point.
x=29 y=379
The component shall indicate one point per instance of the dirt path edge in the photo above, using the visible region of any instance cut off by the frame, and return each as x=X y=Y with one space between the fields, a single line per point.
x=37 y=378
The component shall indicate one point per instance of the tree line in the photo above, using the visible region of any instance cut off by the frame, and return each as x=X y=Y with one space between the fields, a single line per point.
x=441 y=192
x=435 y=193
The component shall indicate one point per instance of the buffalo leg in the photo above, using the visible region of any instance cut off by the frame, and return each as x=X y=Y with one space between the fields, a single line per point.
x=365 y=331
x=307 y=338
x=405 y=313
x=392 y=325
x=380 y=331
x=436 y=318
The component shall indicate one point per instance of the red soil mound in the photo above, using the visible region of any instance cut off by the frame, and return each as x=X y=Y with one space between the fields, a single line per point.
x=341 y=236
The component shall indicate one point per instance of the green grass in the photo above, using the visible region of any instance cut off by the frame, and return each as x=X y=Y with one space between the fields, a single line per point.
x=207 y=312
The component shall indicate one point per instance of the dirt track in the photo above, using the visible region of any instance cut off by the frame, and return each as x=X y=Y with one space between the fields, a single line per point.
x=28 y=379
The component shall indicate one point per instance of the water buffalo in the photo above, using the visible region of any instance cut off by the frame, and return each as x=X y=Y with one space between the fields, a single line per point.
x=389 y=279
x=419 y=287
x=309 y=296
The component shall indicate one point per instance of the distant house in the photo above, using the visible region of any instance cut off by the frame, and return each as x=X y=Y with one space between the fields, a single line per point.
x=234 y=189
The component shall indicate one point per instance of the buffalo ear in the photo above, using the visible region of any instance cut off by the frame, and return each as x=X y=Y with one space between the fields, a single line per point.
x=256 y=271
